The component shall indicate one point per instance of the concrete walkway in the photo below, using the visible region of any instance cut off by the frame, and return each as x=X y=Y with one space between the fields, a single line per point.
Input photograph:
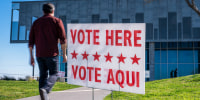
x=82 y=93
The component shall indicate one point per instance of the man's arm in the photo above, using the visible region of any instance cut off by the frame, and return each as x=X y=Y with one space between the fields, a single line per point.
x=31 y=54
x=64 y=48
x=62 y=38
x=31 y=44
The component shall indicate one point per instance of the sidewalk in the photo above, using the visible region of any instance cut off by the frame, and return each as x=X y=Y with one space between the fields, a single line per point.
x=82 y=93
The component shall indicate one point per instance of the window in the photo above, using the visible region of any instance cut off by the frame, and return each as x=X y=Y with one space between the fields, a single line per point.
x=95 y=18
x=22 y=32
x=172 y=56
x=139 y=18
x=185 y=56
x=179 y=31
x=172 y=45
x=157 y=45
x=33 y=19
x=15 y=22
x=104 y=20
x=74 y=21
x=63 y=18
x=110 y=18
x=187 y=27
x=196 y=33
x=27 y=36
x=155 y=34
x=163 y=28
x=172 y=25
x=125 y=20
x=149 y=31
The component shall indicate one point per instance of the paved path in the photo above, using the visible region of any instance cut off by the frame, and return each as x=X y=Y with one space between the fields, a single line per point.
x=81 y=93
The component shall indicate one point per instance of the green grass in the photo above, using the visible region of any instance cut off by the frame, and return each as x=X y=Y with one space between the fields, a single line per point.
x=180 y=88
x=12 y=90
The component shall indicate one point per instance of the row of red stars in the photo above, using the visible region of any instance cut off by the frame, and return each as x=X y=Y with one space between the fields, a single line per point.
x=108 y=57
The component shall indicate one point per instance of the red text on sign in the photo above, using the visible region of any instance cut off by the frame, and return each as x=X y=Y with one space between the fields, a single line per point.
x=120 y=77
x=114 y=78
x=82 y=35
x=123 y=38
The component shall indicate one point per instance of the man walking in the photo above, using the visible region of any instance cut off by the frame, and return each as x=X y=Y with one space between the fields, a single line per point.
x=44 y=34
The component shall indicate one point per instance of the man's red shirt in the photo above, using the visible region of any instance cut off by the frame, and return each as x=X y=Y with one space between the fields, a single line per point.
x=45 y=33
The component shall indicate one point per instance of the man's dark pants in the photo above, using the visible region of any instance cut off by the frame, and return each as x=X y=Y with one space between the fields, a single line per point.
x=48 y=64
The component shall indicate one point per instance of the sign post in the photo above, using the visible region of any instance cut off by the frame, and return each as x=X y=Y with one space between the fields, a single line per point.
x=107 y=56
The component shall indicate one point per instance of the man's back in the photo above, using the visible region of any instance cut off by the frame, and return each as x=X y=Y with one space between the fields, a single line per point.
x=45 y=33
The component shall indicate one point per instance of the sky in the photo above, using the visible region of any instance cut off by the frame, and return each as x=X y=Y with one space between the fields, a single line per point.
x=14 y=58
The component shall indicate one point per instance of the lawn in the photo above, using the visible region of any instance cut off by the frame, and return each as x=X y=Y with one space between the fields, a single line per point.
x=181 y=88
x=12 y=90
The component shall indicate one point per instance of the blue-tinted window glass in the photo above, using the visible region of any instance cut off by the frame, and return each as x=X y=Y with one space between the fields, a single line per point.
x=157 y=45
x=146 y=66
x=163 y=56
x=187 y=27
x=172 y=70
x=185 y=45
x=163 y=45
x=95 y=18
x=125 y=20
x=185 y=56
x=157 y=71
x=34 y=19
x=196 y=33
x=172 y=45
x=163 y=28
x=74 y=21
x=179 y=31
x=197 y=68
x=155 y=34
x=163 y=71
x=15 y=24
x=15 y=5
x=157 y=56
x=22 y=32
x=15 y=15
x=14 y=31
x=104 y=20
x=185 y=69
x=197 y=44
x=147 y=45
x=149 y=31
x=27 y=36
x=63 y=18
x=196 y=58
x=172 y=25
x=139 y=18
x=110 y=18
x=172 y=56
x=147 y=55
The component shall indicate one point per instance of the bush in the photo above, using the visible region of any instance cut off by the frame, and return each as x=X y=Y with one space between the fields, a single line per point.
x=21 y=79
x=8 y=78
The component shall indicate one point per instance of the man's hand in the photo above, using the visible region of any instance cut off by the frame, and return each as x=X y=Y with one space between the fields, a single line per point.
x=32 y=61
x=64 y=58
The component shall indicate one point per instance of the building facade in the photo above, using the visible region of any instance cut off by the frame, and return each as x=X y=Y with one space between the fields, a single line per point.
x=172 y=28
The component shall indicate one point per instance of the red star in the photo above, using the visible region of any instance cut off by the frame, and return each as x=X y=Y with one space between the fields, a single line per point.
x=108 y=57
x=96 y=56
x=85 y=55
x=74 y=55
x=135 y=59
x=121 y=58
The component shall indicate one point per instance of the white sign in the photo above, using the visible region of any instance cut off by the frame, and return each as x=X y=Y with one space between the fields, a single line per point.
x=107 y=56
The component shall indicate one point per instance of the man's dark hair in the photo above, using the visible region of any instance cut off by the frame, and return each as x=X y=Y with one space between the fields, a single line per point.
x=48 y=8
